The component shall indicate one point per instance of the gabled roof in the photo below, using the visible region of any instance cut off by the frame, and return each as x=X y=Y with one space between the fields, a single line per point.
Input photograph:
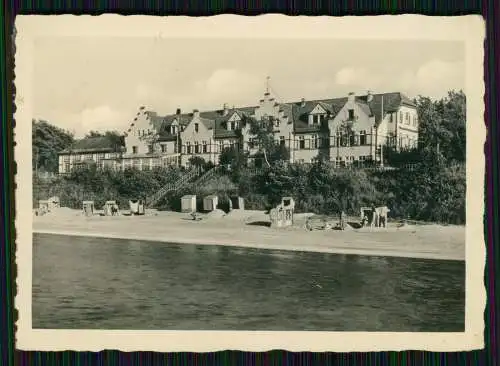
x=297 y=113
x=221 y=130
x=391 y=102
x=91 y=144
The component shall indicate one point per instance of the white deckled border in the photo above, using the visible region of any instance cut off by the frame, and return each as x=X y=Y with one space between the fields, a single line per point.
x=469 y=29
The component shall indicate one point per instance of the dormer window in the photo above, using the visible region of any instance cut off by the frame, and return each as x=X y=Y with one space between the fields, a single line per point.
x=351 y=114
x=233 y=125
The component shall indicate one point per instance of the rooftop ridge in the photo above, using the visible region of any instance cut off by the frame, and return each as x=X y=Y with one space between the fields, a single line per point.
x=322 y=100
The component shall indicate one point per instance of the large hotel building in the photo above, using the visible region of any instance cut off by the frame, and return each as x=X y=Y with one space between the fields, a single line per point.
x=342 y=130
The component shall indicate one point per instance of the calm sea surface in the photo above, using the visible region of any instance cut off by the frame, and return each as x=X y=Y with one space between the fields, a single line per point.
x=124 y=284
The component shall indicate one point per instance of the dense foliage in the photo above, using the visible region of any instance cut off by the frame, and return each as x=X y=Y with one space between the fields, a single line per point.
x=47 y=141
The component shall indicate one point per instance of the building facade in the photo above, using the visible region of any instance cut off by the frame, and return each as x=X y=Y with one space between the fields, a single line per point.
x=342 y=130
x=91 y=150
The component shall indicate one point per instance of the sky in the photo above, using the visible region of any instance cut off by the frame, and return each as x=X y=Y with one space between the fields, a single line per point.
x=98 y=83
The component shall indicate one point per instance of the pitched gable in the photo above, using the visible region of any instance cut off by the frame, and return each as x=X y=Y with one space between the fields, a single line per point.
x=318 y=109
x=235 y=116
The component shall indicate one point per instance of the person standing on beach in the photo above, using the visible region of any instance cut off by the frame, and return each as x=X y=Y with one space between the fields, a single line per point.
x=342 y=220
x=374 y=222
x=383 y=216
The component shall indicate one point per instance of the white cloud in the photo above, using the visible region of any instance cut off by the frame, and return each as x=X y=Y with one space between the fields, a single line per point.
x=101 y=118
x=436 y=77
x=230 y=86
x=358 y=78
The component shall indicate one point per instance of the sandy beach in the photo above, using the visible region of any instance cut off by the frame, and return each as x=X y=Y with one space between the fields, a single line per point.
x=247 y=229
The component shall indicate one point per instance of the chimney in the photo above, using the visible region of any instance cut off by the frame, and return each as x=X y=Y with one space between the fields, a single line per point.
x=225 y=110
x=178 y=111
x=302 y=102
x=350 y=98
x=196 y=113
x=369 y=96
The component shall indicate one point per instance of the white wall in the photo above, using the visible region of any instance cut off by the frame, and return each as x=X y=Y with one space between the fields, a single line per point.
x=363 y=122
x=141 y=125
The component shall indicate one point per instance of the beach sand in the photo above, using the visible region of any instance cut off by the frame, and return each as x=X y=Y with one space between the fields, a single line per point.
x=251 y=229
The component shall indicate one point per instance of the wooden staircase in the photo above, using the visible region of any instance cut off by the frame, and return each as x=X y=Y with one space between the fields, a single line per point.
x=171 y=187
x=209 y=174
x=191 y=179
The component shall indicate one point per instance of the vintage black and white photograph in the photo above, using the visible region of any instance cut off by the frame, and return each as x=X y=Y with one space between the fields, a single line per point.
x=264 y=183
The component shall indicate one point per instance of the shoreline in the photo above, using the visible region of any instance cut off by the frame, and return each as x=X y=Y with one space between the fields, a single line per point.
x=412 y=242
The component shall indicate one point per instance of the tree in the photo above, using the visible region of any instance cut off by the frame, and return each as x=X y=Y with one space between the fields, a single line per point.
x=197 y=162
x=47 y=142
x=263 y=137
x=116 y=139
x=442 y=127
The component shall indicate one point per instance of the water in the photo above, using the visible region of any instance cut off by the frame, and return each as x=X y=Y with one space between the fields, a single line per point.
x=87 y=283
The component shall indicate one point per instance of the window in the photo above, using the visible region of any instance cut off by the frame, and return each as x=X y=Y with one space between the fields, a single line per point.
x=173 y=130
x=188 y=147
x=338 y=139
x=156 y=163
x=233 y=125
x=351 y=114
x=134 y=149
x=221 y=146
x=352 y=140
x=344 y=141
x=400 y=117
x=204 y=147
x=282 y=140
x=150 y=149
x=407 y=118
x=362 y=137
x=338 y=161
x=196 y=127
x=322 y=118
x=391 y=116
x=314 y=141
x=315 y=119
x=415 y=121
x=196 y=148
x=163 y=148
x=302 y=142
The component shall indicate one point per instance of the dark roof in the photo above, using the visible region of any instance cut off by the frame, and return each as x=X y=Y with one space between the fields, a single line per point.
x=301 y=111
x=391 y=101
x=91 y=144
x=295 y=111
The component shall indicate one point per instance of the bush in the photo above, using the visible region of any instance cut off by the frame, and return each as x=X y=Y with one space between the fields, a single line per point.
x=431 y=192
